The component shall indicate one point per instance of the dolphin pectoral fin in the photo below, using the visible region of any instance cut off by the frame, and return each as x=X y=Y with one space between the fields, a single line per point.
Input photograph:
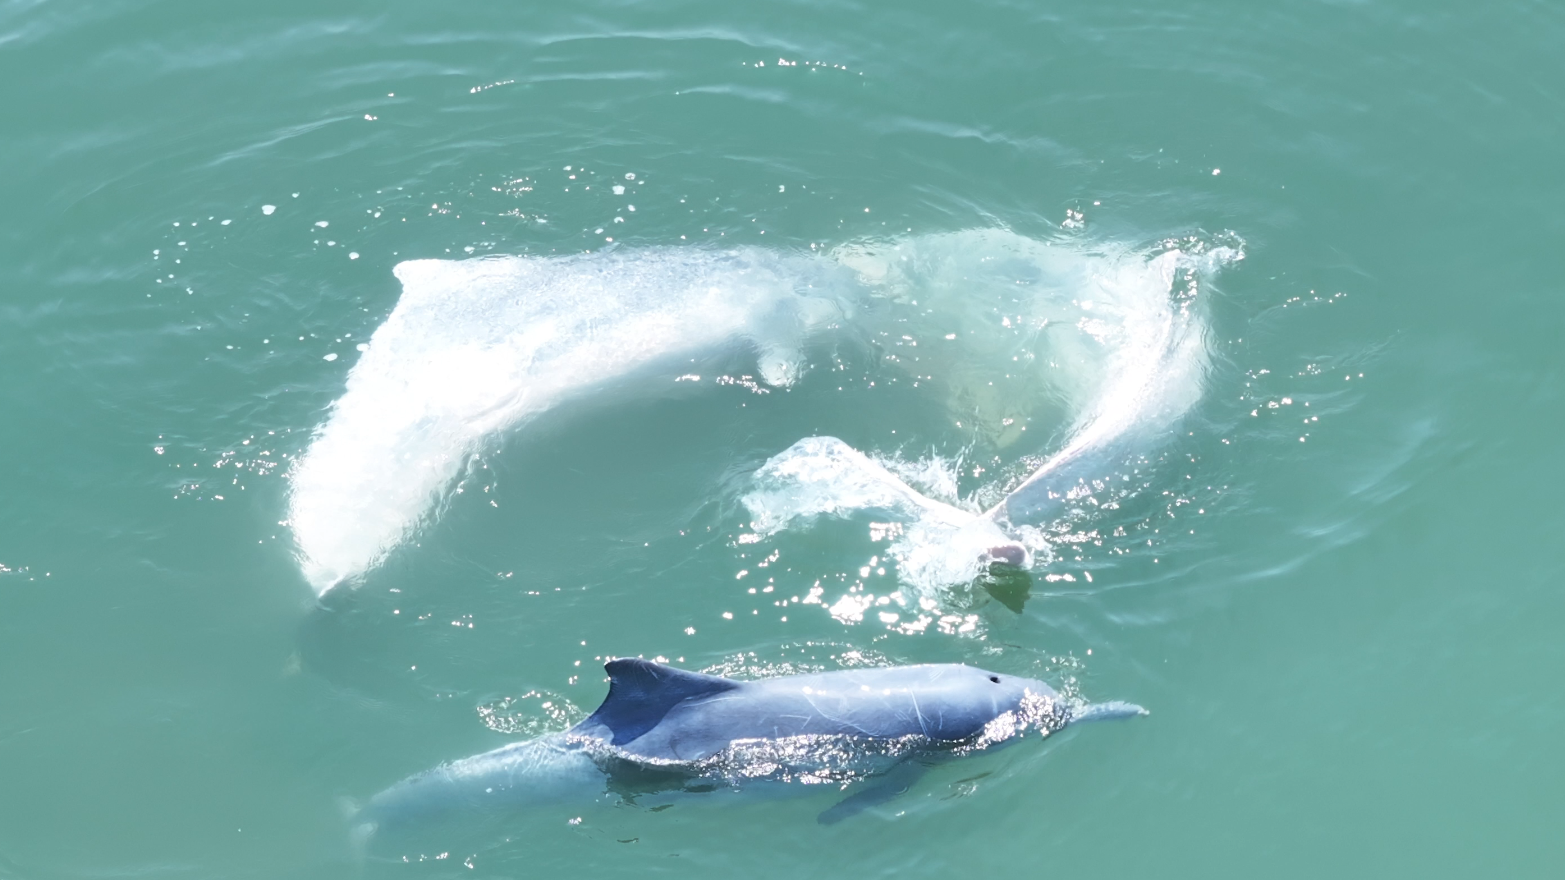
x=897 y=781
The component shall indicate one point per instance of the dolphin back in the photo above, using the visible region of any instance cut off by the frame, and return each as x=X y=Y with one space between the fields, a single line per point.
x=641 y=693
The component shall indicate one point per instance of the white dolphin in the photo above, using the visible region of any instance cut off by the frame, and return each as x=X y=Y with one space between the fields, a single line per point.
x=1138 y=320
x=476 y=347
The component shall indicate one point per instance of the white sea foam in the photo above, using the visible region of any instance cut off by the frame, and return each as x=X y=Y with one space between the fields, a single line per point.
x=825 y=476
x=475 y=347
x=1113 y=332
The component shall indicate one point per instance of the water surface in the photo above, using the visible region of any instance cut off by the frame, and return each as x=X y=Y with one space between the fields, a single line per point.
x=1322 y=556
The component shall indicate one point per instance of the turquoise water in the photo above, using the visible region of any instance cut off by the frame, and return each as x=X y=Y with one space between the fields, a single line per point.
x=1319 y=525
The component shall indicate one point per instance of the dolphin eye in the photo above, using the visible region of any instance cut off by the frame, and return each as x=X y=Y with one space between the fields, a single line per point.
x=995 y=679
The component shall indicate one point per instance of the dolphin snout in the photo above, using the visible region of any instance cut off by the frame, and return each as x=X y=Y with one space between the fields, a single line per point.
x=1014 y=555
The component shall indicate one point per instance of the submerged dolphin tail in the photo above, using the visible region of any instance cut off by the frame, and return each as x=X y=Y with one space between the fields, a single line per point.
x=1107 y=711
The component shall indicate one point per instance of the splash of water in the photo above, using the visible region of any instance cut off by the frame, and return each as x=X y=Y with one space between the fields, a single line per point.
x=823 y=476
x=475 y=348
x=1114 y=333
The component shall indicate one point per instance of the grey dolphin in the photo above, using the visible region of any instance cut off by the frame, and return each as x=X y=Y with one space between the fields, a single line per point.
x=667 y=728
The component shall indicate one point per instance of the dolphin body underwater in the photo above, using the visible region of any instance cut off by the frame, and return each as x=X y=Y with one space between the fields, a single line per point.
x=664 y=729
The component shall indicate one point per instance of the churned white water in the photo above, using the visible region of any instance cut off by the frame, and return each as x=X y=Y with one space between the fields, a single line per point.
x=475 y=347
x=823 y=476
x=1114 y=333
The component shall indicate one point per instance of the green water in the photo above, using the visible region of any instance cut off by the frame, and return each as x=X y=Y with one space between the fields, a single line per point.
x=1350 y=652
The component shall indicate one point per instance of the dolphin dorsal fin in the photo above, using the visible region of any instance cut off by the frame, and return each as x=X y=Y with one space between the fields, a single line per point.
x=642 y=692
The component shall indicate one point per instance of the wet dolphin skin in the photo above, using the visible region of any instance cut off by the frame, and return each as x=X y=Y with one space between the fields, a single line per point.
x=837 y=726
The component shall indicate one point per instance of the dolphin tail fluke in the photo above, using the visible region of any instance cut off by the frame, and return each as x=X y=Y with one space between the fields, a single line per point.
x=1107 y=711
x=361 y=826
